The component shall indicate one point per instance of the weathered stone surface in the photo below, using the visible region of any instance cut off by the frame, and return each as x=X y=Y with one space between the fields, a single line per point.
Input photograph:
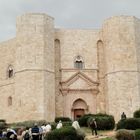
x=46 y=83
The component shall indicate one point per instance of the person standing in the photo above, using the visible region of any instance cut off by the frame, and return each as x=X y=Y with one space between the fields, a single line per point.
x=26 y=134
x=48 y=128
x=123 y=116
x=76 y=125
x=59 y=125
x=93 y=126
x=35 y=132
x=11 y=134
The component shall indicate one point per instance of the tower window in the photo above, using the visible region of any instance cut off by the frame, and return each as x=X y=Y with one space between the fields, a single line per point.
x=79 y=62
x=9 y=101
x=10 y=71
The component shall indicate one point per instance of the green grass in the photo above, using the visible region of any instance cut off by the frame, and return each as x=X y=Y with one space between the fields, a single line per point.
x=107 y=139
x=86 y=130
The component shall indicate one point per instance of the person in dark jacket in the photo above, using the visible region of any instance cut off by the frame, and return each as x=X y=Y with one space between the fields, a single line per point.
x=35 y=132
x=123 y=116
x=11 y=134
x=93 y=126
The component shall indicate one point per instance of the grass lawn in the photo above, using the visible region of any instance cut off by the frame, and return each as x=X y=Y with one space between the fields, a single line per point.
x=86 y=130
x=107 y=139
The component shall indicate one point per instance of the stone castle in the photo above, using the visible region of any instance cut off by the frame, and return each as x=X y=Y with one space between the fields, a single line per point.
x=48 y=72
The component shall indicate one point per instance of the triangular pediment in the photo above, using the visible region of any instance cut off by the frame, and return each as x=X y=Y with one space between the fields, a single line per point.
x=79 y=81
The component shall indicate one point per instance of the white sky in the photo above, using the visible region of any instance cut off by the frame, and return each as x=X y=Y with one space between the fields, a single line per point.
x=67 y=13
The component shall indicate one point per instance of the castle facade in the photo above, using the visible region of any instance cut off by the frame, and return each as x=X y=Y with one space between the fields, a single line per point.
x=47 y=72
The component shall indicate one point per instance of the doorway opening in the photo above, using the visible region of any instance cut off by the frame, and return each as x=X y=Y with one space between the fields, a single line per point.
x=79 y=108
x=78 y=113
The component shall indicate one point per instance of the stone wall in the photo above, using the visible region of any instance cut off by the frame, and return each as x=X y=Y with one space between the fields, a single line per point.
x=78 y=42
x=137 y=41
x=121 y=63
x=35 y=65
x=7 y=56
x=73 y=43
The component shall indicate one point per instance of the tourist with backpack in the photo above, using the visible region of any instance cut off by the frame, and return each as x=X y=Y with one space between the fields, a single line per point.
x=26 y=134
x=35 y=132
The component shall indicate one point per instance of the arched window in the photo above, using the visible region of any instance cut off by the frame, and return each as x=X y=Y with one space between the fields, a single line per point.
x=79 y=64
x=9 y=101
x=10 y=71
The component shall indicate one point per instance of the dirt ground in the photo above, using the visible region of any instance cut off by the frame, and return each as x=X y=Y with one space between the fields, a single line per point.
x=101 y=134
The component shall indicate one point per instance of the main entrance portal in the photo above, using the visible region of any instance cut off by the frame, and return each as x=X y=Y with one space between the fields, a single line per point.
x=79 y=108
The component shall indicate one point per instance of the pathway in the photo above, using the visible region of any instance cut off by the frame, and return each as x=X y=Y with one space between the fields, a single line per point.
x=102 y=135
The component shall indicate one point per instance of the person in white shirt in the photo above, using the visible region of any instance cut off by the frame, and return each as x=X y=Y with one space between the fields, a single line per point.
x=59 y=125
x=76 y=125
x=48 y=128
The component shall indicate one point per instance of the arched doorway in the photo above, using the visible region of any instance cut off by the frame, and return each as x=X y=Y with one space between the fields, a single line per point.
x=78 y=113
x=79 y=108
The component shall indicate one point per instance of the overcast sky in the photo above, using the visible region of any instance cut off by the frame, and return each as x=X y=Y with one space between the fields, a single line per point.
x=67 y=13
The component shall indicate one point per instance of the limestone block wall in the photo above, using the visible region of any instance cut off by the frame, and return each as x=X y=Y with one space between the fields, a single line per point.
x=137 y=41
x=35 y=64
x=121 y=63
x=49 y=100
x=7 y=56
x=49 y=66
x=7 y=91
x=78 y=42
x=74 y=43
x=29 y=93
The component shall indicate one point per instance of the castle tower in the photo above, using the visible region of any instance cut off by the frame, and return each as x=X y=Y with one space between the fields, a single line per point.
x=34 y=76
x=121 y=66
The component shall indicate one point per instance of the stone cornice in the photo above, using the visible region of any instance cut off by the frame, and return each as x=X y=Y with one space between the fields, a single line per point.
x=7 y=84
x=74 y=69
x=66 y=91
x=45 y=70
x=119 y=71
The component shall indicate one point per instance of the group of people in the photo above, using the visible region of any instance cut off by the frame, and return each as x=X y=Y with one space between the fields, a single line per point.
x=10 y=134
x=75 y=124
x=34 y=133
x=38 y=133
